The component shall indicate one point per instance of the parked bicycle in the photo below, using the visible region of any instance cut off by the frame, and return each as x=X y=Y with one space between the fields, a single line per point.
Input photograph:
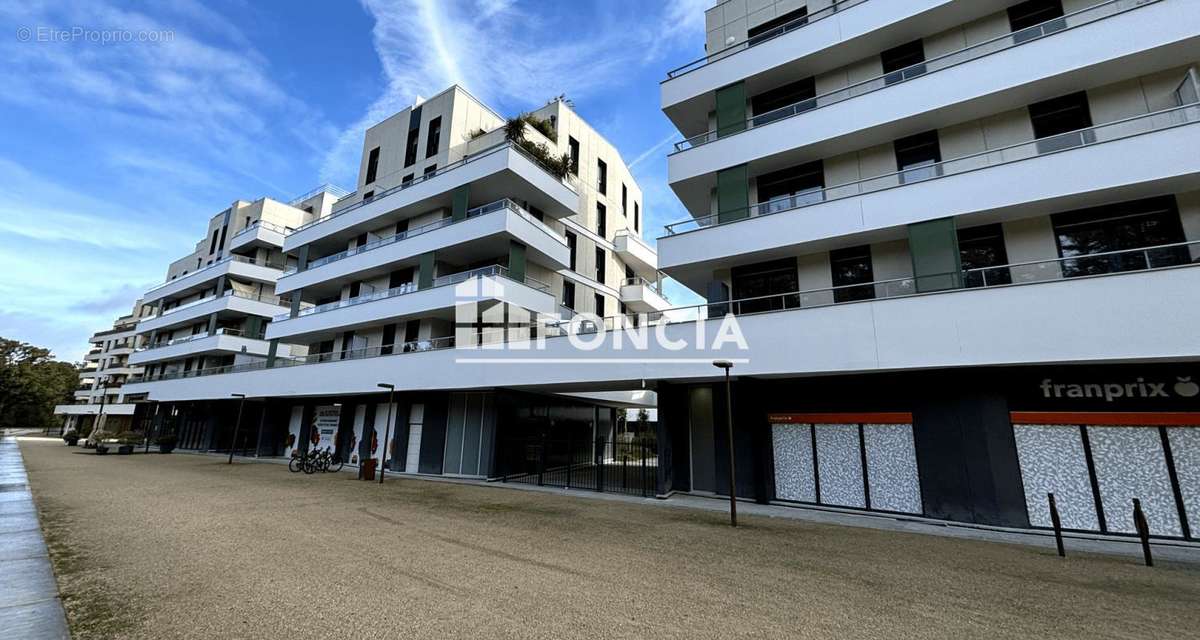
x=322 y=460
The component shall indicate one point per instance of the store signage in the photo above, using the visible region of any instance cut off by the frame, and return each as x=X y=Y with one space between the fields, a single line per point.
x=1139 y=388
x=325 y=427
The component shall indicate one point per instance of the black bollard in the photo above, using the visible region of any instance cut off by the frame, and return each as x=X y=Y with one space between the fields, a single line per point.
x=1056 y=521
x=1143 y=530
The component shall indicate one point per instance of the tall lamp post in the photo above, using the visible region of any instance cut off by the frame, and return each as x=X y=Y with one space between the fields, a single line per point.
x=103 y=380
x=237 y=425
x=387 y=428
x=152 y=422
x=727 y=365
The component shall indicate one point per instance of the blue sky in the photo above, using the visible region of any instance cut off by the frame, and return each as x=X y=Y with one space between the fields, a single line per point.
x=114 y=155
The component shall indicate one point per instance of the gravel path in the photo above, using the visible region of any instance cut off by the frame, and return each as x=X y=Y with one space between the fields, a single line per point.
x=185 y=546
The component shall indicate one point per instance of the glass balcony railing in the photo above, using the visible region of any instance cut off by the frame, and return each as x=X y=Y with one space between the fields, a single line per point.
x=218 y=263
x=974 y=52
x=757 y=39
x=273 y=300
x=411 y=287
x=1157 y=258
x=569 y=182
x=263 y=224
x=1108 y=132
x=494 y=207
x=221 y=331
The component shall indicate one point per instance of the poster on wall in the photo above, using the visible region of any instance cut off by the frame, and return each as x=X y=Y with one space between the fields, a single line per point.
x=325 y=427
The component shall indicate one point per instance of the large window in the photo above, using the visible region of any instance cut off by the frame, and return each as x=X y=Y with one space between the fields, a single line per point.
x=1061 y=120
x=780 y=24
x=372 y=165
x=984 y=256
x=917 y=157
x=801 y=93
x=903 y=62
x=1120 y=228
x=434 y=139
x=758 y=287
x=1035 y=18
x=792 y=187
x=852 y=266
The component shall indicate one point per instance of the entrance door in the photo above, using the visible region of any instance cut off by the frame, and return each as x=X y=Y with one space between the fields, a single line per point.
x=466 y=435
x=412 y=455
x=860 y=461
x=1096 y=464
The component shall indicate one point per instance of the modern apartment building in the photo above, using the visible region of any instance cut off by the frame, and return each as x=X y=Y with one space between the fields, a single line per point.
x=457 y=210
x=100 y=397
x=961 y=237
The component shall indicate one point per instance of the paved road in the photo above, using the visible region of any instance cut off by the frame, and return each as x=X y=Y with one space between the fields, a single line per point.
x=192 y=547
x=29 y=604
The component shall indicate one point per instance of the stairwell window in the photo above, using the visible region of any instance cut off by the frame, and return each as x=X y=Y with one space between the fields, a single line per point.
x=572 y=240
x=1062 y=123
x=624 y=199
x=903 y=62
x=637 y=216
x=600 y=262
x=568 y=294
x=601 y=220
x=599 y=302
x=602 y=178
x=372 y=166
x=1035 y=18
x=410 y=149
x=434 y=139
x=573 y=146
x=918 y=157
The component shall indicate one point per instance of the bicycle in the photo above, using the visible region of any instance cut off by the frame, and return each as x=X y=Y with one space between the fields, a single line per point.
x=305 y=462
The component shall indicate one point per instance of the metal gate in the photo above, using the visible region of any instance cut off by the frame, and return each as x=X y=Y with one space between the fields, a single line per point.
x=628 y=466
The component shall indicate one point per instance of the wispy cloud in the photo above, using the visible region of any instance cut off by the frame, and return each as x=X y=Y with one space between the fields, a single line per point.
x=512 y=55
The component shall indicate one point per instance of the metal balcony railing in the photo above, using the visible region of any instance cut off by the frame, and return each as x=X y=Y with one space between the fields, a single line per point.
x=227 y=259
x=331 y=189
x=653 y=285
x=221 y=331
x=974 y=52
x=273 y=300
x=569 y=182
x=411 y=287
x=493 y=207
x=263 y=224
x=816 y=16
x=1108 y=132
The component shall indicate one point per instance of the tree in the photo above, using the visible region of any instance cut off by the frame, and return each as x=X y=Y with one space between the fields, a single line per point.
x=31 y=383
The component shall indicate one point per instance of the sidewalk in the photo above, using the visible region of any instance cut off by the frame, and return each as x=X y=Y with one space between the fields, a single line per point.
x=29 y=604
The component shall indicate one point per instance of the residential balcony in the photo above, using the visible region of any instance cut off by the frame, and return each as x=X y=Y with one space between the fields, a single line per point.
x=1120 y=311
x=1101 y=44
x=1073 y=170
x=643 y=296
x=635 y=253
x=119 y=351
x=260 y=233
x=110 y=409
x=92 y=356
x=492 y=283
x=229 y=303
x=223 y=341
x=83 y=394
x=502 y=171
x=486 y=230
x=825 y=39
x=236 y=266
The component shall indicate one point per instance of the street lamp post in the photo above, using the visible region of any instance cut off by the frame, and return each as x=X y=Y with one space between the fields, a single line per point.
x=727 y=365
x=387 y=428
x=103 y=380
x=237 y=425
x=152 y=422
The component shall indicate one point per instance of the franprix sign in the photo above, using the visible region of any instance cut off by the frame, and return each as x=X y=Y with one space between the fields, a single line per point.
x=1109 y=388
x=325 y=427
